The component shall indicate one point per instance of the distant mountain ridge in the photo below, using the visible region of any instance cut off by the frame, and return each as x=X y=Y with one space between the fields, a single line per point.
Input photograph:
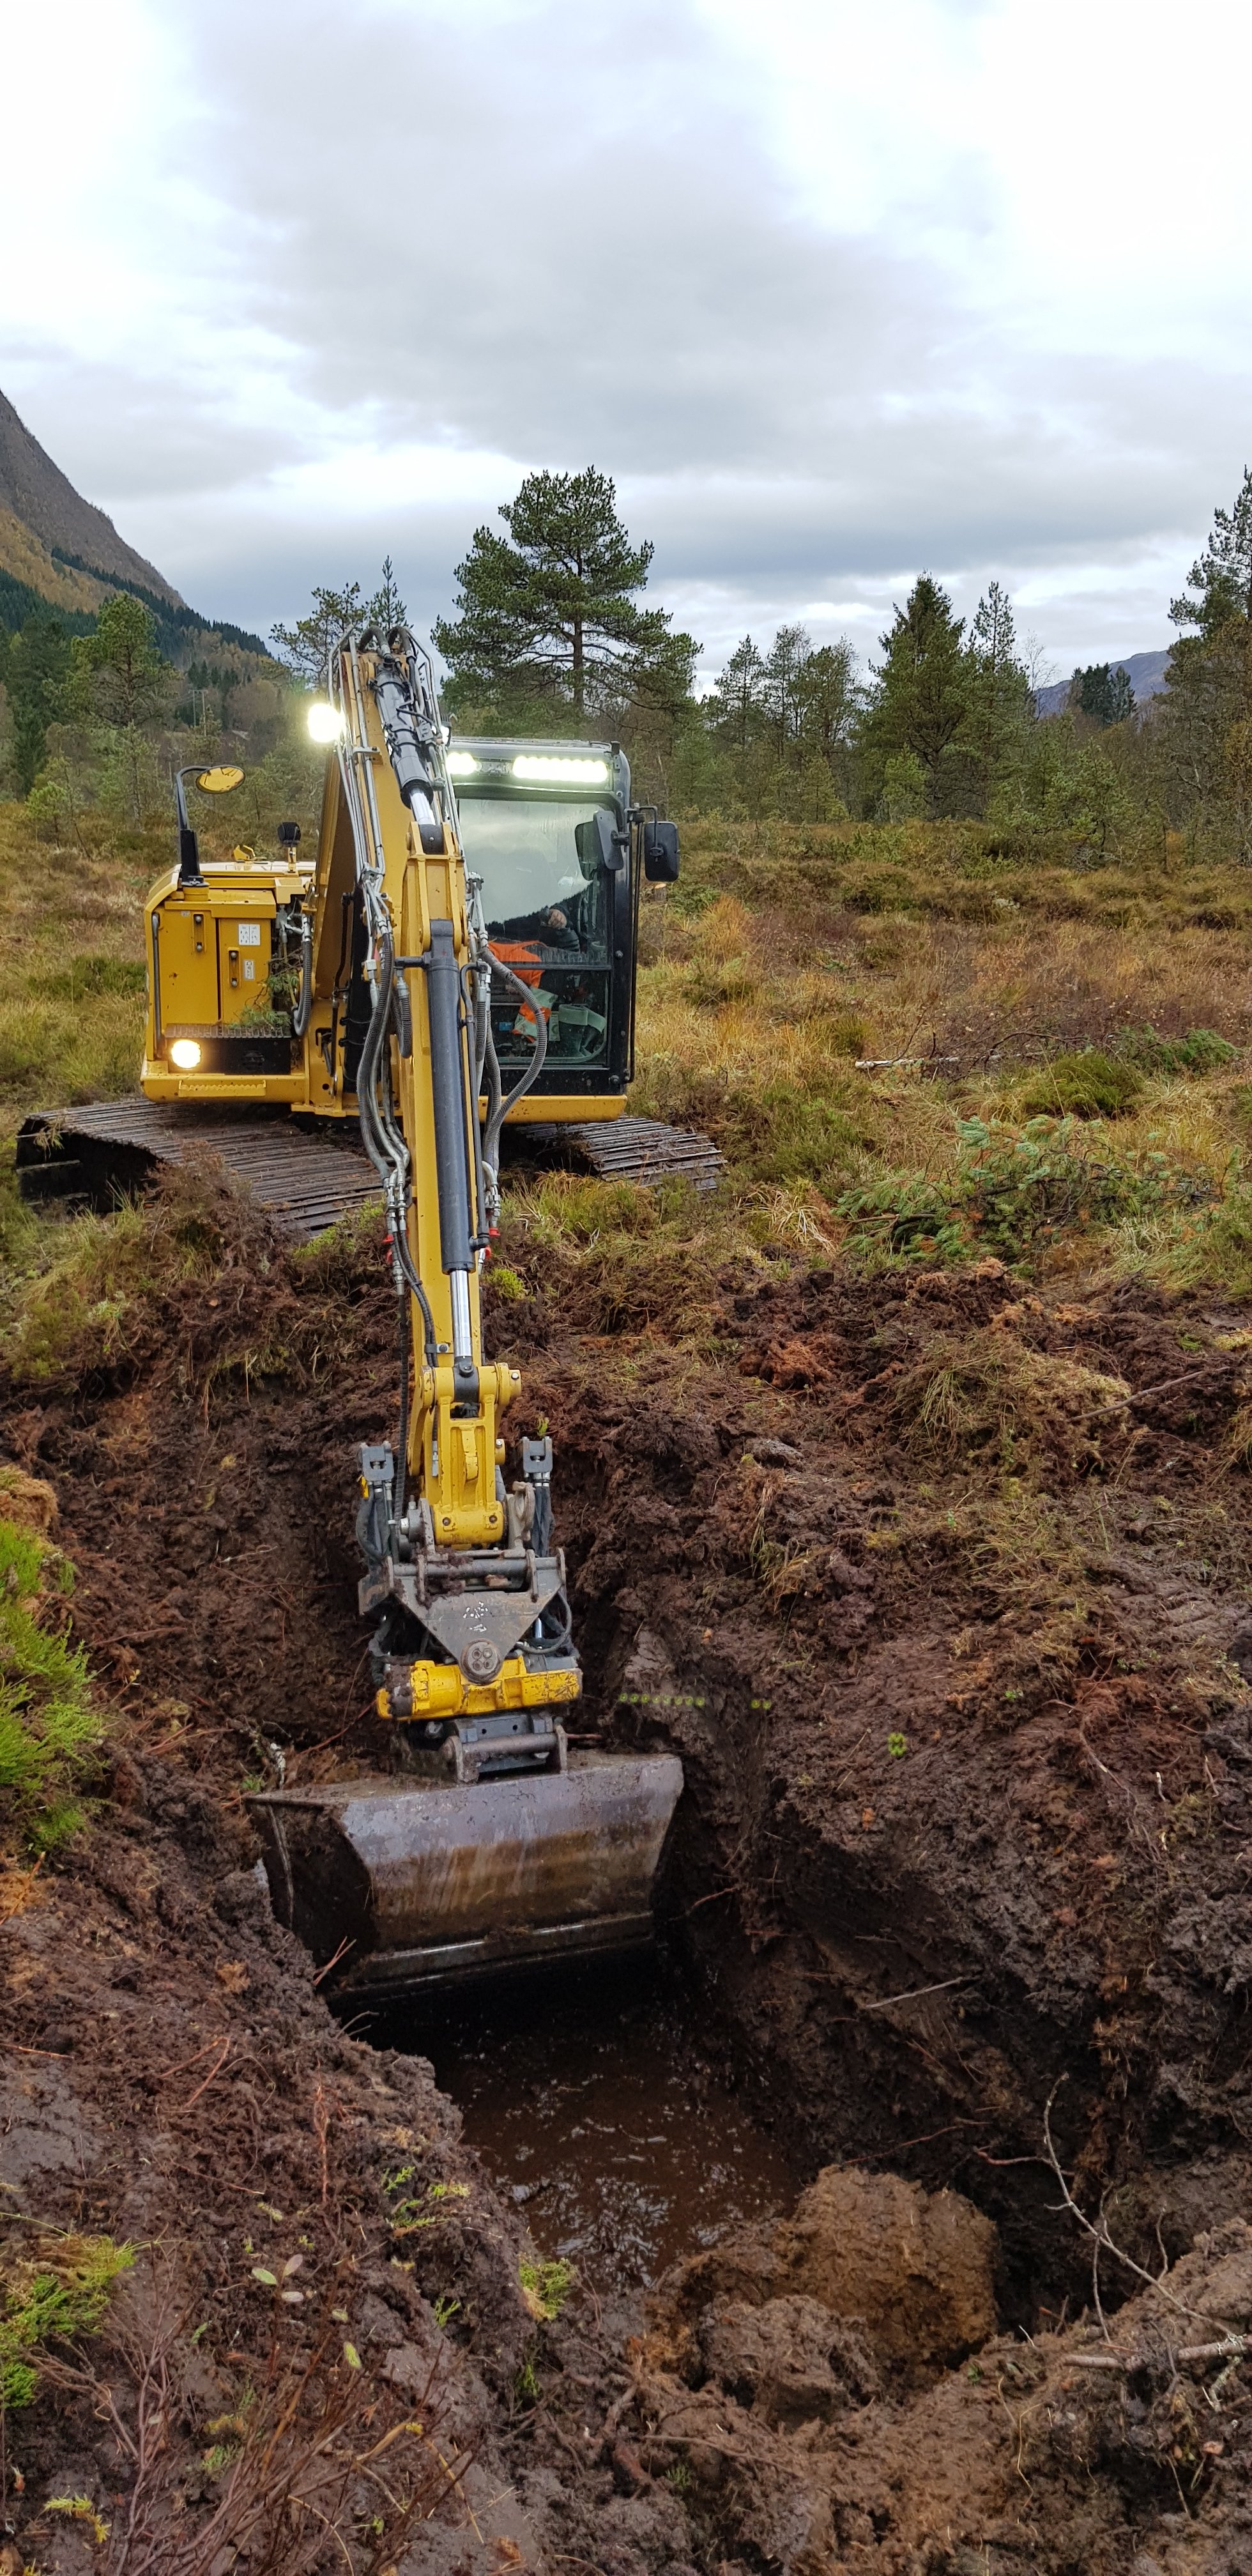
x=44 y=499
x=1145 y=672
x=59 y=551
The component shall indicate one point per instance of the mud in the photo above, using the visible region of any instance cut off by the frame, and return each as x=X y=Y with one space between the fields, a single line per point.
x=957 y=1681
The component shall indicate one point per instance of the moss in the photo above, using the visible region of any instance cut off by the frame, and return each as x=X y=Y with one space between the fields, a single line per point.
x=545 y=2287
x=60 y=2291
x=1086 y=1084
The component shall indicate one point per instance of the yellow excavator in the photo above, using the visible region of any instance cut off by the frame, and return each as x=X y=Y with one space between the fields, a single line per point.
x=388 y=983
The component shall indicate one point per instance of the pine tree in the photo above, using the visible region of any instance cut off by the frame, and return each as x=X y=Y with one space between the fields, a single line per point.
x=307 y=646
x=116 y=671
x=829 y=701
x=924 y=689
x=1001 y=699
x=1103 y=692
x=550 y=610
x=386 y=609
x=783 y=687
x=1222 y=575
x=1205 y=724
x=36 y=667
x=118 y=677
x=736 y=708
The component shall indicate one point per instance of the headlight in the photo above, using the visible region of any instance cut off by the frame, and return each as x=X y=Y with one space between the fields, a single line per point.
x=461 y=764
x=185 y=1053
x=561 y=773
x=325 y=723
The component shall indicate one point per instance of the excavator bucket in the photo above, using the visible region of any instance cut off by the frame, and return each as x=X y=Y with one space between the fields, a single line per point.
x=394 y=1886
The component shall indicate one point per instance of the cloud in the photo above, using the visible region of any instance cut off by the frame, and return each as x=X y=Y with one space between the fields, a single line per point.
x=795 y=282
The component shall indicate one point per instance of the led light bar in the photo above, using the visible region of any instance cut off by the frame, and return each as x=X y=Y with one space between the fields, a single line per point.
x=462 y=764
x=560 y=773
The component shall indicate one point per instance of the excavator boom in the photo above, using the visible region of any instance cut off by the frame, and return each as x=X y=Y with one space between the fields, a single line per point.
x=487 y=1844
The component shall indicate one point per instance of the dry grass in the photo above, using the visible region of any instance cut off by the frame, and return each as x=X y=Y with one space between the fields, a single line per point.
x=71 y=1012
x=787 y=953
x=746 y=1017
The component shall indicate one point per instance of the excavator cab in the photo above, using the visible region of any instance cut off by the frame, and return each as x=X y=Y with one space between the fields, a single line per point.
x=548 y=828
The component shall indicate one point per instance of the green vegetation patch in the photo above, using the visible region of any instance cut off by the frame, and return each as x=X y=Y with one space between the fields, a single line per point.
x=60 y=2291
x=49 y=1724
x=1015 y=1191
x=1087 y=1084
x=1201 y=1051
x=86 y=979
x=545 y=2287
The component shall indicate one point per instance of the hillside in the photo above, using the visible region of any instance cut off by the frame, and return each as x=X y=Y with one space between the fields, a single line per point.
x=60 y=551
x=44 y=499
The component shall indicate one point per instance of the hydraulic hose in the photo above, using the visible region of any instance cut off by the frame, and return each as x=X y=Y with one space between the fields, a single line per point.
x=304 y=999
x=400 y=1487
x=498 y=1111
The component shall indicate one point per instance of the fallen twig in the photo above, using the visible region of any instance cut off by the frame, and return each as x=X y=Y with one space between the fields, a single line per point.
x=347 y=1943
x=1140 y=1395
x=911 y=1993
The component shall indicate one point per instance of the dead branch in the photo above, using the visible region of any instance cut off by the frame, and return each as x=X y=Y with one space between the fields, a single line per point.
x=1097 y=2229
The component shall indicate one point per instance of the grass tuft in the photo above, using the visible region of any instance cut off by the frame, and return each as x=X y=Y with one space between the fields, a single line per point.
x=49 y=1724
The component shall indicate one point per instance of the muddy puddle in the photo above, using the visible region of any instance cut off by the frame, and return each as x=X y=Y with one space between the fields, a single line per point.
x=597 y=2112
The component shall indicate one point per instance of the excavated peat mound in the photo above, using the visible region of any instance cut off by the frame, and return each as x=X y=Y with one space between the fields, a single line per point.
x=937 y=1582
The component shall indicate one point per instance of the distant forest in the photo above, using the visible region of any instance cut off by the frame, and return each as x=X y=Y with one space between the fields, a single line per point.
x=548 y=635
x=551 y=633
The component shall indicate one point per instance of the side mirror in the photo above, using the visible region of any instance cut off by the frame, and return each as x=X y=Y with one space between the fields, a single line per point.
x=215 y=782
x=660 y=853
x=288 y=835
x=607 y=843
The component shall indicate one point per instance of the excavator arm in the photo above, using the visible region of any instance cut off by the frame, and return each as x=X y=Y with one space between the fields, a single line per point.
x=491 y=1842
x=473 y=1647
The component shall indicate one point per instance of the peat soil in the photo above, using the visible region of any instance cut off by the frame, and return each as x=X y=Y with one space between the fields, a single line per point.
x=939 y=1586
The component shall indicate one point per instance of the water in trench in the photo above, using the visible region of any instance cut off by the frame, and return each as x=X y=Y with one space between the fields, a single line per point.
x=596 y=2110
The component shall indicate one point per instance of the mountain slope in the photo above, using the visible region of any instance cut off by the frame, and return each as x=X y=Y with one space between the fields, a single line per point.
x=44 y=499
x=30 y=579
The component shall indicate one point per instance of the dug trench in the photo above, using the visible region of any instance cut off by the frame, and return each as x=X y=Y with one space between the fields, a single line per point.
x=938 y=1585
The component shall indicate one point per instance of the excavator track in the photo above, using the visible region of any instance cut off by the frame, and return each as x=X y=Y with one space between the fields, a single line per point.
x=110 y=1149
x=622 y=1149
x=308 y=1179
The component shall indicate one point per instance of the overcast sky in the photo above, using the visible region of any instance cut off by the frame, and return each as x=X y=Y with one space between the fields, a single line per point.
x=836 y=289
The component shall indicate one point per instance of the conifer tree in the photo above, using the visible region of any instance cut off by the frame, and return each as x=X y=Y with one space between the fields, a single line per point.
x=1206 y=722
x=307 y=646
x=386 y=609
x=1000 y=698
x=737 y=706
x=36 y=666
x=924 y=683
x=1102 y=692
x=1222 y=575
x=551 y=609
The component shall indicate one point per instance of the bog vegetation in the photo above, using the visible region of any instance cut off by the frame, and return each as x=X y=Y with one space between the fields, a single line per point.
x=941 y=976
